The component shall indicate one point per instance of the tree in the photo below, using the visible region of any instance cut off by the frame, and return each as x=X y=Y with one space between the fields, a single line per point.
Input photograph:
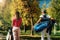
x=54 y=10
x=5 y=16
x=29 y=10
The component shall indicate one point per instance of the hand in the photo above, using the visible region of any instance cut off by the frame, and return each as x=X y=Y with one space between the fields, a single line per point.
x=35 y=23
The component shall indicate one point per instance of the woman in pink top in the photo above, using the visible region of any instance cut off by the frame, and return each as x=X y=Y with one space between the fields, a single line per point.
x=16 y=23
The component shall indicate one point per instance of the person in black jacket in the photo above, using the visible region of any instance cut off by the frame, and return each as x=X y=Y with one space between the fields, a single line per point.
x=51 y=24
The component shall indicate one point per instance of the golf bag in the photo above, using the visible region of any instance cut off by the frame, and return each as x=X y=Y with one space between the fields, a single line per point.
x=42 y=25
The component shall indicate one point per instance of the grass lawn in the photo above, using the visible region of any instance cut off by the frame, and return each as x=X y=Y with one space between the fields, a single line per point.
x=26 y=36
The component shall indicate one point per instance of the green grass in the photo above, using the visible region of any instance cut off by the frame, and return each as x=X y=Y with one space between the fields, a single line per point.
x=28 y=32
x=25 y=33
x=36 y=36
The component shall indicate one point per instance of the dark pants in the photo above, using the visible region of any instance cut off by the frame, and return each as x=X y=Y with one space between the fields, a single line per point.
x=51 y=24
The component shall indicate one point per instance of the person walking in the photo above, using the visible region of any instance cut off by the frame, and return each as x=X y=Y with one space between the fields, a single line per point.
x=42 y=24
x=16 y=23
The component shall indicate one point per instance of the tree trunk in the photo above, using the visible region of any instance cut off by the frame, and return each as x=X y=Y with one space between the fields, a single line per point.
x=31 y=26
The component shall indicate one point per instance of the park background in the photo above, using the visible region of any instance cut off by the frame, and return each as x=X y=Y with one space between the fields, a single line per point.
x=30 y=10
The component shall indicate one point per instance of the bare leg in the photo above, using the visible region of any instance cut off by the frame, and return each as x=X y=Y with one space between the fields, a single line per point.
x=42 y=35
x=48 y=36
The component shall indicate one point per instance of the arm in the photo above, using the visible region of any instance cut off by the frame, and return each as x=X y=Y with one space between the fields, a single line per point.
x=38 y=21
